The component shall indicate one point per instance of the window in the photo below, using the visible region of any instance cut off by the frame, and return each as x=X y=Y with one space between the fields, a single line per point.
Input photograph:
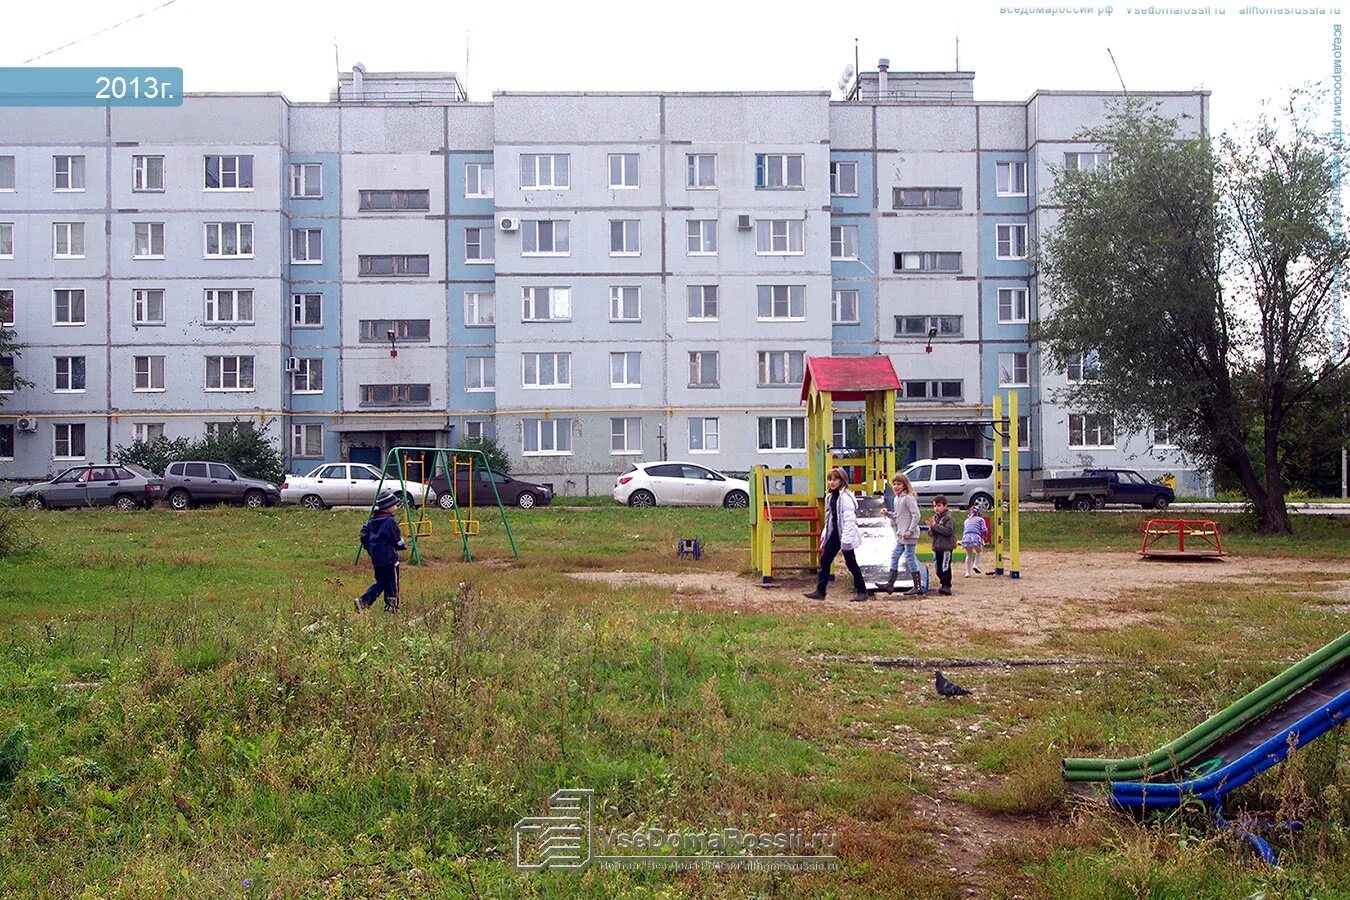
x=1163 y=436
x=477 y=180
x=1012 y=305
x=7 y=173
x=68 y=307
x=925 y=198
x=782 y=301
x=149 y=241
x=844 y=308
x=701 y=171
x=6 y=441
x=1082 y=367
x=69 y=374
x=68 y=173
x=374 y=331
x=229 y=307
x=843 y=242
x=223 y=431
x=545 y=237
x=147 y=173
x=1010 y=179
x=625 y=304
x=544 y=171
x=541 y=437
x=625 y=435
x=773 y=236
x=941 y=391
x=625 y=370
x=229 y=373
x=307 y=439
x=782 y=433
x=479 y=245
x=68 y=441
x=7 y=240
x=145 y=432
x=781 y=367
x=623 y=237
x=6 y=375
x=395 y=395
x=229 y=173
x=1010 y=241
x=701 y=237
x=306 y=180
x=1014 y=369
x=704 y=368
x=306 y=246
x=703 y=435
x=68 y=240
x=1091 y=430
x=480 y=374
x=546 y=370
x=480 y=308
x=394 y=266
x=308 y=378
x=546 y=304
x=778 y=170
x=702 y=302
x=623 y=170
x=475 y=429
x=373 y=201
x=306 y=310
x=148 y=373
x=1023 y=435
x=6 y=307
x=928 y=262
x=1086 y=162
x=844 y=179
x=229 y=239
x=919 y=327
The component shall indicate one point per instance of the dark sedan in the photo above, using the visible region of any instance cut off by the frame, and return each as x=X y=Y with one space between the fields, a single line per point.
x=513 y=492
x=125 y=487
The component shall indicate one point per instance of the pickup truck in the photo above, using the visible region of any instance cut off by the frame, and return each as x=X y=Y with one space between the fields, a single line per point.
x=1095 y=488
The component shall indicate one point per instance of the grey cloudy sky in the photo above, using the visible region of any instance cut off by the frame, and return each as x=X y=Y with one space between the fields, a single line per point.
x=279 y=45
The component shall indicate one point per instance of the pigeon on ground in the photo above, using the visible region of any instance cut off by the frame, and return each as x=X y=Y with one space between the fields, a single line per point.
x=947 y=688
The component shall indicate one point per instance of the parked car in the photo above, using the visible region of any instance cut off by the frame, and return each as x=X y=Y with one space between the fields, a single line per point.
x=125 y=487
x=512 y=491
x=348 y=484
x=964 y=482
x=190 y=483
x=679 y=484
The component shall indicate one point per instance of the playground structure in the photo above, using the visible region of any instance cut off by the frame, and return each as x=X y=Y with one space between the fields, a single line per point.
x=785 y=527
x=1204 y=535
x=410 y=464
x=1305 y=701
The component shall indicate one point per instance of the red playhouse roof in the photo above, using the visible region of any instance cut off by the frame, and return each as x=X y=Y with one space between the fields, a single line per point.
x=849 y=377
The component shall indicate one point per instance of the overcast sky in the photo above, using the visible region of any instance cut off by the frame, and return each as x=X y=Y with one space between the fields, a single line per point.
x=278 y=45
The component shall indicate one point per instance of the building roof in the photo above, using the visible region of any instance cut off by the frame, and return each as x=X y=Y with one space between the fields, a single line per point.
x=849 y=377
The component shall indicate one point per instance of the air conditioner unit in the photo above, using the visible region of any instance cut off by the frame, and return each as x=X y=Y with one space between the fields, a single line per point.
x=292 y=364
x=510 y=223
x=744 y=222
x=27 y=424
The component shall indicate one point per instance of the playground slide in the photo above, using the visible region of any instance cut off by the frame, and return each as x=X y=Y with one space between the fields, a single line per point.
x=1256 y=707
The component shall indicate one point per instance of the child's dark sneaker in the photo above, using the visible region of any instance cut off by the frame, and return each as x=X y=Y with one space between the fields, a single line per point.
x=814 y=595
x=945 y=591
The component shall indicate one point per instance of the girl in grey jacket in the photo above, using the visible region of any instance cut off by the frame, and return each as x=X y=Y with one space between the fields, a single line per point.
x=905 y=523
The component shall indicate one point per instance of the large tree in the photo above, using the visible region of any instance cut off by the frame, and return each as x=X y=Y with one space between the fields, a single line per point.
x=1201 y=275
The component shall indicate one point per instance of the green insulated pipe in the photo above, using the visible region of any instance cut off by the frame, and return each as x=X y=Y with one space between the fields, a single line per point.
x=1198 y=739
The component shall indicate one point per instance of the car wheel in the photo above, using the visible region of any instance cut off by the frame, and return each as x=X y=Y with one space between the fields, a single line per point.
x=407 y=500
x=525 y=500
x=982 y=502
x=312 y=501
x=255 y=500
x=1083 y=504
x=125 y=503
x=736 y=500
x=641 y=498
x=179 y=500
x=446 y=500
x=1160 y=502
x=34 y=502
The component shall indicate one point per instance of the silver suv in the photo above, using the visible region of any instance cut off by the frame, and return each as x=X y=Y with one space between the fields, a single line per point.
x=964 y=482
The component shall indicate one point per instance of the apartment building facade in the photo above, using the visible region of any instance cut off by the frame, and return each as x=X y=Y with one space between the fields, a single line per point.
x=596 y=279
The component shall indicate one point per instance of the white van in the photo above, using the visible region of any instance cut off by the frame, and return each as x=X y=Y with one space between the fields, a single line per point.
x=964 y=482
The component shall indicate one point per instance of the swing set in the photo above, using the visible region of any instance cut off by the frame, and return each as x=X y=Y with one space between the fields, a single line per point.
x=460 y=467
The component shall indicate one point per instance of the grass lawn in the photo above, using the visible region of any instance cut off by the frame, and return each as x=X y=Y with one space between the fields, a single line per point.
x=193 y=709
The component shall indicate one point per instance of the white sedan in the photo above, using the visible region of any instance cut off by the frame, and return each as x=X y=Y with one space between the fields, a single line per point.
x=348 y=484
x=680 y=484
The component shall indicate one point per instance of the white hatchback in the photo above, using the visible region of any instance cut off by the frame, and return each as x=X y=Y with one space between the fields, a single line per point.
x=680 y=484
x=964 y=482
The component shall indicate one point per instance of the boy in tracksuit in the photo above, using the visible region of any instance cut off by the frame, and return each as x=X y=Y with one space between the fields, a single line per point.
x=382 y=539
x=942 y=530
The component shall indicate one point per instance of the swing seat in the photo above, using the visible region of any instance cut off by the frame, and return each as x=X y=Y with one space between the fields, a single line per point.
x=420 y=528
x=469 y=527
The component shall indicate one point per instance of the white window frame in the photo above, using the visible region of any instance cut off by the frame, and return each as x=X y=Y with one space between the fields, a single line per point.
x=310 y=367
x=7 y=240
x=7 y=318
x=554 y=183
x=1159 y=438
x=71 y=229
x=222 y=170
x=558 y=301
x=70 y=374
x=241 y=230
x=928 y=262
x=211 y=298
x=71 y=321
x=301 y=444
x=779 y=237
x=1023 y=436
x=559 y=231
x=1014 y=303
x=789 y=426
x=538 y=358
x=704 y=292
x=696 y=360
x=626 y=433
x=1009 y=363
x=141 y=306
x=696 y=235
x=765 y=359
x=624 y=159
x=143 y=377
x=8 y=175
x=480 y=309
x=69 y=440
x=700 y=424
x=780 y=164
x=141 y=432
x=74 y=171
x=491 y=241
x=480 y=375
x=838 y=307
x=300 y=310
x=1086 y=362
x=1010 y=240
x=939 y=322
x=843 y=242
x=301 y=179
x=475 y=429
x=619 y=295
x=1073 y=160
x=629 y=367
x=309 y=235
x=792 y=297
x=474 y=180
x=628 y=229
x=1095 y=431
x=142 y=170
x=555 y=427
x=693 y=172
x=238 y=380
x=837 y=168
x=932 y=390
x=150 y=231
x=1007 y=185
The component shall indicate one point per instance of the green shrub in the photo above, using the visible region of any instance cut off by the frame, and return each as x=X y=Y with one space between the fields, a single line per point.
x=248 y=449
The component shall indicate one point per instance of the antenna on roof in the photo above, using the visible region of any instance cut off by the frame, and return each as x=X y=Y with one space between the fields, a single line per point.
x=1123 y=89
x=958 y=53
x=337 y=67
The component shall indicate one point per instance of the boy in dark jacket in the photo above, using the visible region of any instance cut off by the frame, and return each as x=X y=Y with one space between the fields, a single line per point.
x=942 y=530
x=382 y=539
